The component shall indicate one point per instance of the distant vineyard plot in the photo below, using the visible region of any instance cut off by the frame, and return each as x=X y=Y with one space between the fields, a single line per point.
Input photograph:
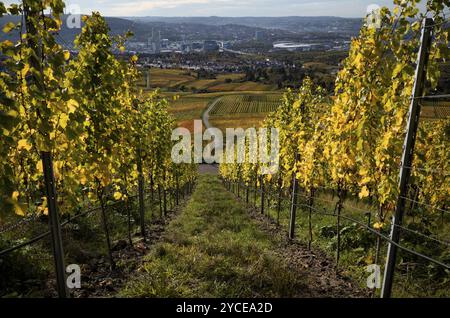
x=182 y=80
x=188 y=107
x=246 y=104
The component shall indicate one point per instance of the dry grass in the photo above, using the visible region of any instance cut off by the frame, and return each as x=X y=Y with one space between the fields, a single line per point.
x=175 y=78
x=169 y=77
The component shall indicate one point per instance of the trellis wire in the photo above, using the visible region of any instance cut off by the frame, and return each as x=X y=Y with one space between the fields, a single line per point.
x=70 y=218
x=381 y=236
x=346 y=206
x=373 y=231
x=426 y=204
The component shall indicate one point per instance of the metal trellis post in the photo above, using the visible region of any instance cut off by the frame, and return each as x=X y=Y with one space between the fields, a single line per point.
x=55 y=228
x=294 y=201
x=261 y=180
x=141 y=194
x=407 y=156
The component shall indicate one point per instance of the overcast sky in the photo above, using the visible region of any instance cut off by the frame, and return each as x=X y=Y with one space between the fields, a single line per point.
x=234 y=8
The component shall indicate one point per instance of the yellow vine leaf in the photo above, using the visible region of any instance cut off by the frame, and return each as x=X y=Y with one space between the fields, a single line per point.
x=23 y=144
x=15 y=195
x=366 y=180
x=397 y=70
x=83 y=180
x=66 y=55
x=8 y=27
x=63 y=120
x=25 y=70
x=369 y=259
x=19 y=209
x=39 y=167
x=7 y=43
x=378 y=225
x=43 y=207
x=358 y=60
x=364 y=193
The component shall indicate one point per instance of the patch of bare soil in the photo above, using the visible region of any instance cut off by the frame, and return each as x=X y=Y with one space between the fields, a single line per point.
x=208 y=168
x=97 y=278
x=323 y=280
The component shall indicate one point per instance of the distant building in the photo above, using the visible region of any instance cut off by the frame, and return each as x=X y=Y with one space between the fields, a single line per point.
x=197 y=46
x=151 y=39
x=165 y=43
x=185 y=48
x=154 y=42
x=211 y=46
x=292 y=46
x=259 y=36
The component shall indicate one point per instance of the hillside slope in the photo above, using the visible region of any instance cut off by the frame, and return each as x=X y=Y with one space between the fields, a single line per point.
x=216 y=249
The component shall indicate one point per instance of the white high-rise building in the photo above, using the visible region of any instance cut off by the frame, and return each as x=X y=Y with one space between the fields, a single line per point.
x=154 y=42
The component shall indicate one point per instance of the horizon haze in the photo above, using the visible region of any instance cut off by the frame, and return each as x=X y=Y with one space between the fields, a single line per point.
x=227 y=8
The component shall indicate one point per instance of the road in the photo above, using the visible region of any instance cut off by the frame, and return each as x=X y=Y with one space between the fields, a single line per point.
x=205 y=116
x=237 y=52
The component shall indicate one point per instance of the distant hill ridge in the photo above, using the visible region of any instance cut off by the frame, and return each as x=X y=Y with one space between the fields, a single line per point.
x=219 y=28
x=292 y=23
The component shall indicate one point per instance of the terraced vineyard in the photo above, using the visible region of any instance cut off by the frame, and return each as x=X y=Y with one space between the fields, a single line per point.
x=246 y=104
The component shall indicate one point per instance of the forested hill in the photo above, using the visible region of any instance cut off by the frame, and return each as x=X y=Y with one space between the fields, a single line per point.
x=219 y=28
x=292 y=24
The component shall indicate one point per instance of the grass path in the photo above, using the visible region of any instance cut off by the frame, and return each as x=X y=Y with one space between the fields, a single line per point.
x=214 y=248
